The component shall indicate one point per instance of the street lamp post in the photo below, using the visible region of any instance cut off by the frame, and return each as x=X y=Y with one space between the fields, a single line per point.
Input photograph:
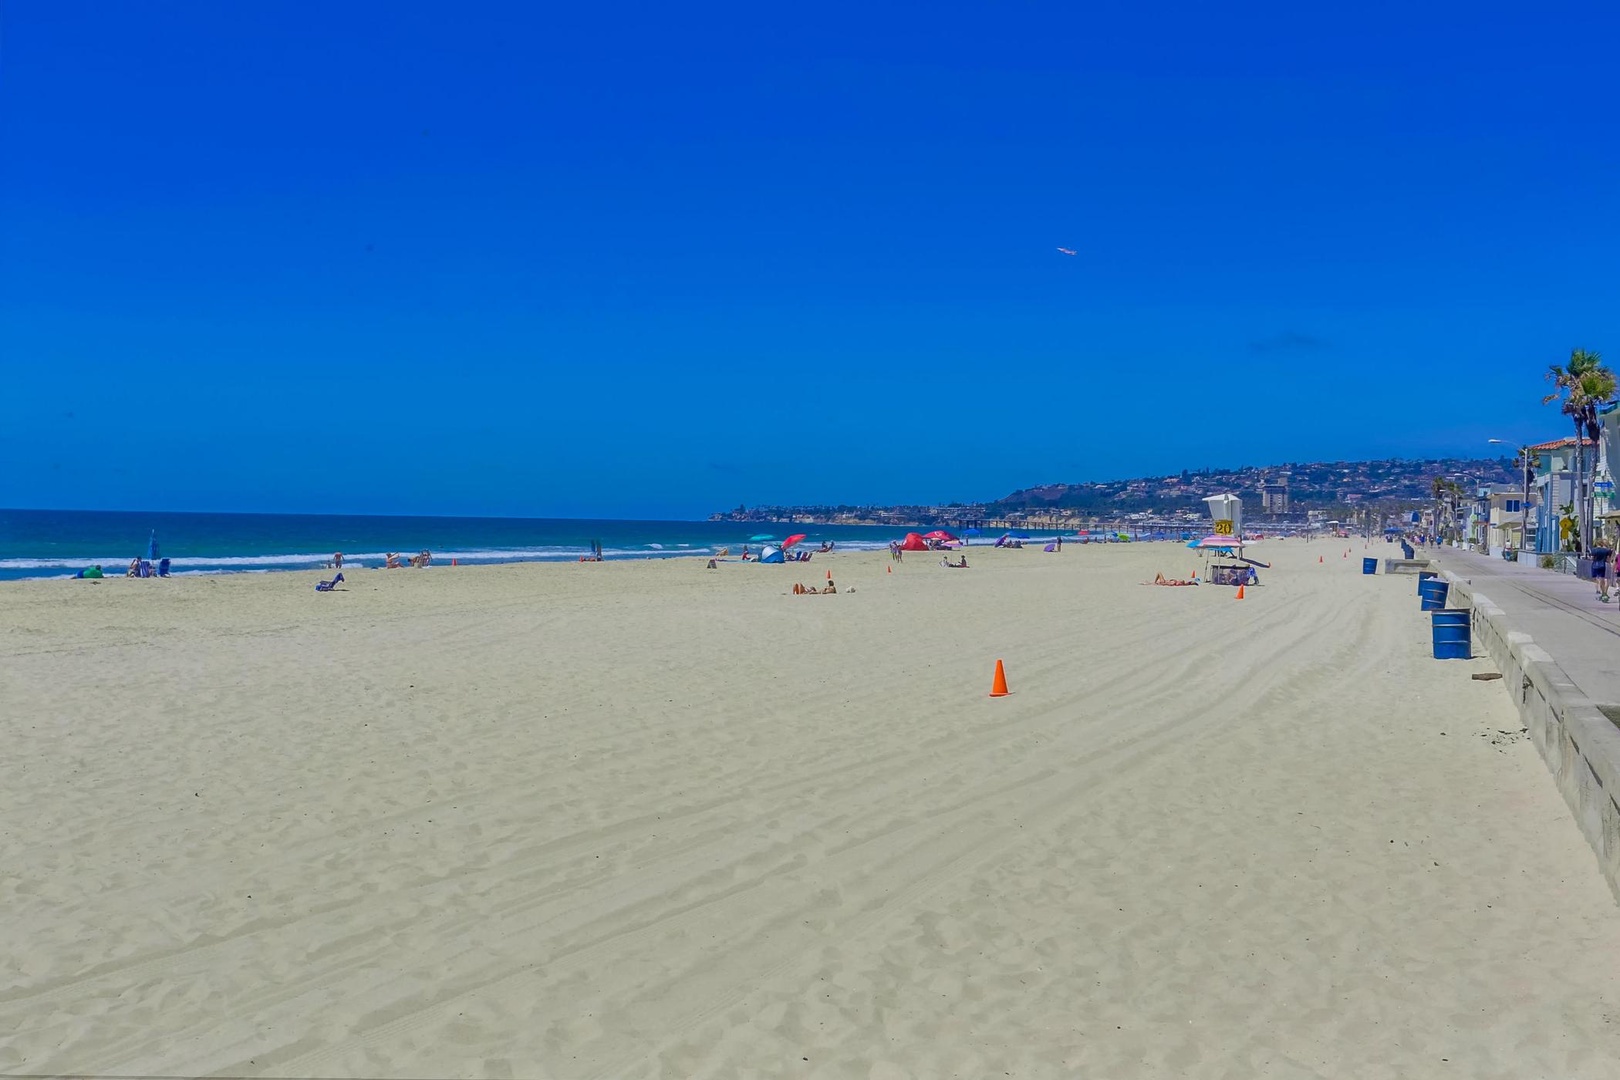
x=1525 y=465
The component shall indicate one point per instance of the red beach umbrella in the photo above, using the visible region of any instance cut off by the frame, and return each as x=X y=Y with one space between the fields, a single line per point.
x=794 y=539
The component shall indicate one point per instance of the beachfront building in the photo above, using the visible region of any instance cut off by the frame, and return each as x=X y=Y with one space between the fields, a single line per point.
x=1553 y=487
x=1605 y=500
x=1494 y=518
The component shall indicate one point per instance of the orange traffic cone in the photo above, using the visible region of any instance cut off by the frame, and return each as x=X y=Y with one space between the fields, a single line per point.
x=998 y=686
x=890 y=569
x=1319 y=558
x=829 y=575
x=1240 y=592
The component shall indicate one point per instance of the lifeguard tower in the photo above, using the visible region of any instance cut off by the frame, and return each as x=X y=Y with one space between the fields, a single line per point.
x=1226 y=515
x=1226 y=511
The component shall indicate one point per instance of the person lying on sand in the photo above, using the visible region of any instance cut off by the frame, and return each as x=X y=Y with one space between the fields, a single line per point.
x=1160 y=579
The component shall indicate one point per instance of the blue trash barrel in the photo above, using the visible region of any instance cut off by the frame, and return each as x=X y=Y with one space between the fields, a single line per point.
x=1369 y=566
x=1424 y=575
x=1433 y=593
x=1451 y=637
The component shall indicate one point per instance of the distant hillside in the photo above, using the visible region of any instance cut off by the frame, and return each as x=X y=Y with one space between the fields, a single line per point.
x=1315 y=485
x=1310 y=485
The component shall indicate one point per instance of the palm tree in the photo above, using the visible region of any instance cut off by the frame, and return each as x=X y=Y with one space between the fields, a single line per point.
x=1528 y=461
x=1582 y=385
x=1448 y=496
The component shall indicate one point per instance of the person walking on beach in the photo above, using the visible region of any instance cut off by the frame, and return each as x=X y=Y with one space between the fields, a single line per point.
x=337 y=561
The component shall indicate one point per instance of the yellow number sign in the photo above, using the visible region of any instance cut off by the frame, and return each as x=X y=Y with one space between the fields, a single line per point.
x=1223 y=528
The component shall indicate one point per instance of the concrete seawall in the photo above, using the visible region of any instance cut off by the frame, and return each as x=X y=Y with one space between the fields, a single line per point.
x=1577 y=741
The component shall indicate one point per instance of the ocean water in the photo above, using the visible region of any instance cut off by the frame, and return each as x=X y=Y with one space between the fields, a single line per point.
x=59 y=543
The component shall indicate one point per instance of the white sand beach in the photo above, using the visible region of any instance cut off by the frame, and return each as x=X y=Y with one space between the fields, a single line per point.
x=647 y=819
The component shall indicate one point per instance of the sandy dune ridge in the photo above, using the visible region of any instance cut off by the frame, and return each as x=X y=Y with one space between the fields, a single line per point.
x=638 y=819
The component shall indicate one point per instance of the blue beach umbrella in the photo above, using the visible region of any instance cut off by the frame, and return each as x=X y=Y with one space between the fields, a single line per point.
x=152 y=548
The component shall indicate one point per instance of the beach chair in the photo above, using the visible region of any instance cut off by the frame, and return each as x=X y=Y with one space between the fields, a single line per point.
x=328 y=586
x=163 y=567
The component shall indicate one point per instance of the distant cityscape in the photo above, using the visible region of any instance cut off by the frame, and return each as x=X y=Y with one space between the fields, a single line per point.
x=1293 y=491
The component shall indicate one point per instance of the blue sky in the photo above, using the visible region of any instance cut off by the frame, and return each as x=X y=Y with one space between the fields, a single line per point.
x=655 y=260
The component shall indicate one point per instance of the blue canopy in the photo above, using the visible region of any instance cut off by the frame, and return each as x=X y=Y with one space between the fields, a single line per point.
x=152 y=547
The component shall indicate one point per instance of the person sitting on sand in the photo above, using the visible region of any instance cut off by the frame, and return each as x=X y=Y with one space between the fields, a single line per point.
x=134 y=568
x=391 y=561
x=961 y=563
x=829 y=590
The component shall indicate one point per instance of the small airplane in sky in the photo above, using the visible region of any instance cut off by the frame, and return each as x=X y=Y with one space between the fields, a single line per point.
x=1068 y=251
